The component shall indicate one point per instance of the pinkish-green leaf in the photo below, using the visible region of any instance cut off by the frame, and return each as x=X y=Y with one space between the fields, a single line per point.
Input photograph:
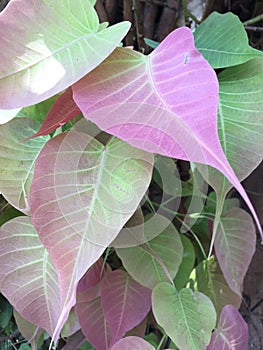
x=235 y=244
x=187 y=317
x=93 y=323
x=132 y=343
x=90 y=284
x=231 y=332
x=125 y=303
x=160 y=257
x=208 y=279
x=88 y=306
x=164 y=103
x=17 y=160
x=48 y=45
x=27 y=276
x=82 y=194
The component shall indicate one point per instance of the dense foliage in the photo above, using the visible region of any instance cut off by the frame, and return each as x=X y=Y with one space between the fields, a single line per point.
x=90 y=132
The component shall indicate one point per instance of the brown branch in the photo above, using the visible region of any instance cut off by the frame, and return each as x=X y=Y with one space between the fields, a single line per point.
x=139 y=25
x=111 y=9
x=101 y=12
x=167 y=20
x=128 y=16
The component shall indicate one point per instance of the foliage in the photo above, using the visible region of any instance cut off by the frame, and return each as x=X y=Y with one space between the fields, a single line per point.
x=89 y=131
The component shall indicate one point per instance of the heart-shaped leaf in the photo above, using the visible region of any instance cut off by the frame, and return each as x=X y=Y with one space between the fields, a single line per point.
x=170 y=103
x=125 y=303
x=48 y=45
x=17 y=160
x=82 y=194
x=208 y=279
x=235 y=245
x=231 y=332
x=229 y=46
x=187 y=317
x=160 y=257
x=27 y=277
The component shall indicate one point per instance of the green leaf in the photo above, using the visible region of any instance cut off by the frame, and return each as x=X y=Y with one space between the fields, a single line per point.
x=207 y=278
x=156 y=261
x=6 y=311
x=223 y=41
x=17 y=160
x=186 y=265
x=50 y=46
x=187 y=317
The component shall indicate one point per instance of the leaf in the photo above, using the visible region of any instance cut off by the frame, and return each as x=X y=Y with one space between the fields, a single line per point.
x=125 y=303
x=17 y=160
x=223 y=41
x=27 y=277
x=63 y=110
x=49 y=46
x=187 y=317
x=160 y=257
x=134 y=343
x=208 y=279
x=90 y=284
x=186 y=265
x=231 y=332
x=38 y=111
x=93 y=323
x=31 y=332
x=6 y=312
x=170 y=103
x=235 y=245
x=82 y=194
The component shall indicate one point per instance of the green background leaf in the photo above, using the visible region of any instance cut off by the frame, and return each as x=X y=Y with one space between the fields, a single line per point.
x=223 y=41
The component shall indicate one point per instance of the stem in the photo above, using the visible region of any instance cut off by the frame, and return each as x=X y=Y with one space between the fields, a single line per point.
x=219 y=209
x=161 y=342
x=253 y=20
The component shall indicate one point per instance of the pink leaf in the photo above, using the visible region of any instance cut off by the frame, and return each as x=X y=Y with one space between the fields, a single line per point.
x=63 y=110
x=90 y=284
x=231 y=332
x=27 y=277
x=93 y=323
x=82 y=194
x=132 y=343
x=164 y=103
x=125 y=303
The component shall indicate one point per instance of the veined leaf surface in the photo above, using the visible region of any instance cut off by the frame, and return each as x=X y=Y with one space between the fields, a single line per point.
x=27 y=277
x=17 y=160
x=231 y=332
x=82 y=194
x=48 y=45
x=223 y=41
x=164 y=103
x=187 y=317
x=160 y=257
x=235 y=245
x=125 y=303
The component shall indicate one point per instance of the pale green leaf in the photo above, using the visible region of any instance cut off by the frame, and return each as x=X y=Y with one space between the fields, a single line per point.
x=160 y=257
x=207 y=278
x=223 y=41
x=187 y=317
